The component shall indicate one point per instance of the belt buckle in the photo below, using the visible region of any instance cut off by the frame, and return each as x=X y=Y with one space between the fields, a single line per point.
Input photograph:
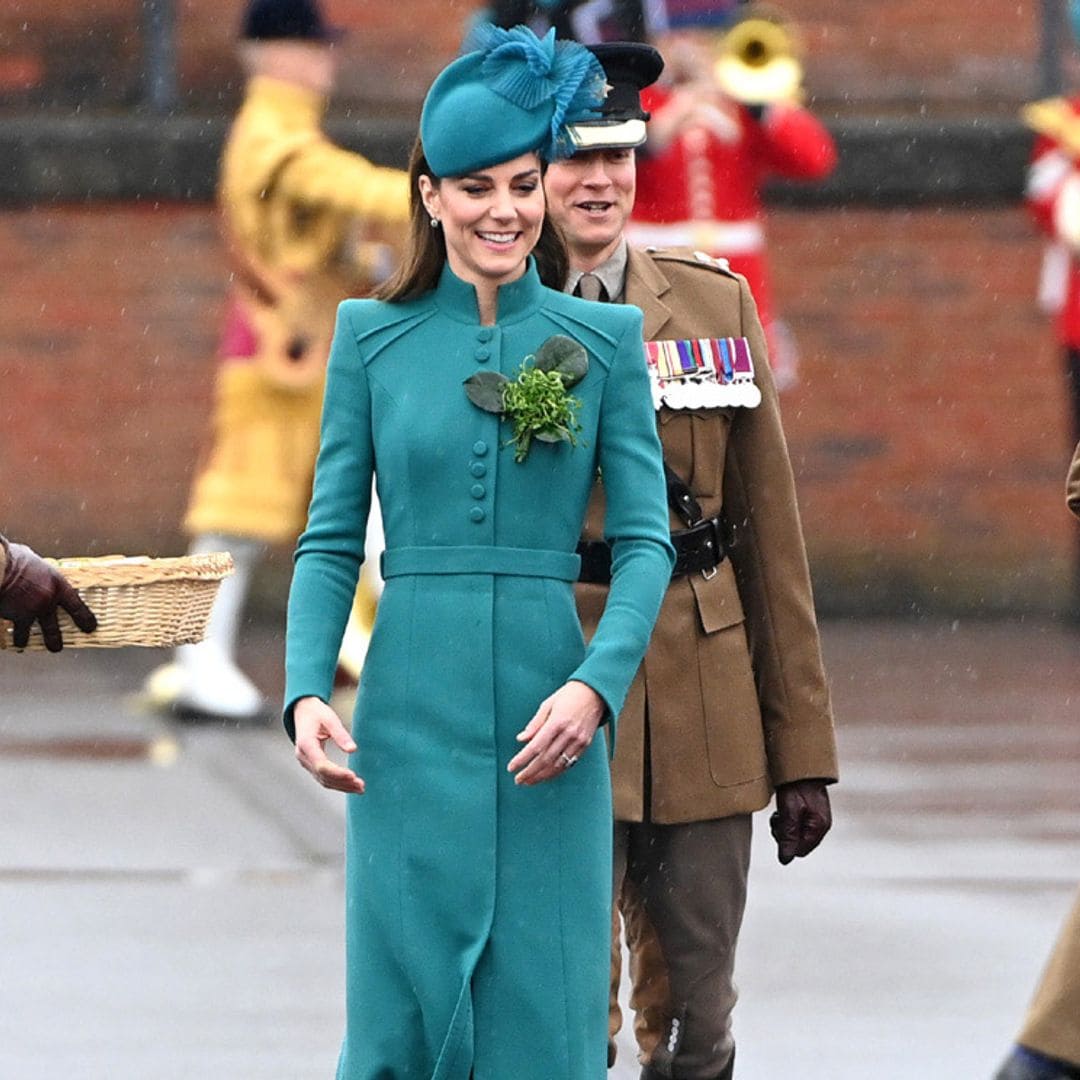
x=714 y=545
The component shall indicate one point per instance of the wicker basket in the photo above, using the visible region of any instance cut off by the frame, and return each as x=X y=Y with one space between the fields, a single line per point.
x=137 y=601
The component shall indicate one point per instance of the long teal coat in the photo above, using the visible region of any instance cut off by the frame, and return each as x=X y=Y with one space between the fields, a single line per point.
x=478 y=912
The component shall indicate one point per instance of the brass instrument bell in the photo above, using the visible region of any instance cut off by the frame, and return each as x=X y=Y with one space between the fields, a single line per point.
x=758 y=62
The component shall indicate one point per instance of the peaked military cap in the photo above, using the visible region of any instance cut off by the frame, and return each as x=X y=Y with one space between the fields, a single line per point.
x=629 y=67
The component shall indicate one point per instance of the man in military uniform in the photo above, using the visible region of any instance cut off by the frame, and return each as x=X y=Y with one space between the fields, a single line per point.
x=307 y=224
x=731 y=702
x=1048 y=1046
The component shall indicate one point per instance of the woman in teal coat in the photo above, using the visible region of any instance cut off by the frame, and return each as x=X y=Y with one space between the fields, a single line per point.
x=478 y=843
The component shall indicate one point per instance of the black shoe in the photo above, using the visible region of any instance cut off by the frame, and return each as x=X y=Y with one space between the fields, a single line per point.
x=1025 y=1064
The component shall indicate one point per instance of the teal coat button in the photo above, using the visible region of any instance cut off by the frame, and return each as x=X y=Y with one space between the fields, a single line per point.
x=483 y=355
x=478 y=468
x=478 y=491
x=477 y=514
x=479 y=448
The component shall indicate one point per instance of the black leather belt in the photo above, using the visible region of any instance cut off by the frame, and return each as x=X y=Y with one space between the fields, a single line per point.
x=701 y=547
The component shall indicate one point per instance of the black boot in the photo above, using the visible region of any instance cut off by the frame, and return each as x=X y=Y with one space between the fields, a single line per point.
x=726 y=1073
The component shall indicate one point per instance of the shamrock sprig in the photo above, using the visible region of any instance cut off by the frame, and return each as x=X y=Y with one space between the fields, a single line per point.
x=536 y=401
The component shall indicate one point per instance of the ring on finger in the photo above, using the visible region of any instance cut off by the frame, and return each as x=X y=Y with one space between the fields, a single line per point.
x=568 y=760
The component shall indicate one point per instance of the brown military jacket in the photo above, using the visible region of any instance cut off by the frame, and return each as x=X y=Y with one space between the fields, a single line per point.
x=731 y=699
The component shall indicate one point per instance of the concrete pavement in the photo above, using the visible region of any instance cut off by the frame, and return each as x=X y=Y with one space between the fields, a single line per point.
x=171 y=897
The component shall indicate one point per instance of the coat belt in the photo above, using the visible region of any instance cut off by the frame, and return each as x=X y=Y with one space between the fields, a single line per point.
x=508 y=561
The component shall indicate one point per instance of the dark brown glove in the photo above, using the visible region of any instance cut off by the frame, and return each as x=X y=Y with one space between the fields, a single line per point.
x=32 y=589
x=801 y=819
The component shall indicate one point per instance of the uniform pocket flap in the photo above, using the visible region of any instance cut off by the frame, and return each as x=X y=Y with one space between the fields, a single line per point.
x=717 y=598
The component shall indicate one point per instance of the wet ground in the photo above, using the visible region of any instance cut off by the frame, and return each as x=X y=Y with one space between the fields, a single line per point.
x=171 y=897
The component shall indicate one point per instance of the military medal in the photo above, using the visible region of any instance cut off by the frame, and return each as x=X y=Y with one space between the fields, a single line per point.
x=702 y=373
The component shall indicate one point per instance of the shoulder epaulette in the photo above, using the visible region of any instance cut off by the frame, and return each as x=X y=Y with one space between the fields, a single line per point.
x=690 y=257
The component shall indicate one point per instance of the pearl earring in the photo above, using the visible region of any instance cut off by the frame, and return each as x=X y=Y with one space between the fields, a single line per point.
x=434 y=222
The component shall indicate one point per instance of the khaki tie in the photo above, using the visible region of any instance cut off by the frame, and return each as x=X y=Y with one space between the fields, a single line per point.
x=590 y=287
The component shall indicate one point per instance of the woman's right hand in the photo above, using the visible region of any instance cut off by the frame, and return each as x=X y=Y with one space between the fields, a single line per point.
x=316 y=723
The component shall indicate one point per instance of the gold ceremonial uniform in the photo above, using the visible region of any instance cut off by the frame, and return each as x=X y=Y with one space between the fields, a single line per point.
x=306 y=222
x=732 y=688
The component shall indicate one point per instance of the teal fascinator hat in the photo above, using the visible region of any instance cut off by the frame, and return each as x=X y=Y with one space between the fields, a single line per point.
x=511 y=93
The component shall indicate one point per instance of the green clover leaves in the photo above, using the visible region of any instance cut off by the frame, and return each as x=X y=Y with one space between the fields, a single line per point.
x=536 y=401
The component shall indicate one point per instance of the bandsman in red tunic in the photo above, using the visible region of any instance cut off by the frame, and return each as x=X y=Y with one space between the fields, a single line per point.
x=725 y=120
x=1053 y=197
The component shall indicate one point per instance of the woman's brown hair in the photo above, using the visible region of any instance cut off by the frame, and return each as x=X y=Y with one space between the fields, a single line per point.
x=425 y=255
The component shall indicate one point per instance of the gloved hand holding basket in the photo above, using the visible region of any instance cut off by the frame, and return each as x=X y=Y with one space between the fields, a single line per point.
x=136 y=600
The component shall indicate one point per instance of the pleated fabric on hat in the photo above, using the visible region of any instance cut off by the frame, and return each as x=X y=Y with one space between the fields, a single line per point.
x=511 y=93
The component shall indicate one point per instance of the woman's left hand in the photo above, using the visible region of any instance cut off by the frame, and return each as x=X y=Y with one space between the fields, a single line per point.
x=558 y=734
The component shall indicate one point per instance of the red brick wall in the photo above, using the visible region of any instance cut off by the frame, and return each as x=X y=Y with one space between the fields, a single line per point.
x=928 y=431
x=90 y=51
x=106 y=354
x=864 y=53
x=860 y=53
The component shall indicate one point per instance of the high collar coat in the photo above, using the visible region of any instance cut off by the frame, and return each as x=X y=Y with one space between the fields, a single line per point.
x=478 y=912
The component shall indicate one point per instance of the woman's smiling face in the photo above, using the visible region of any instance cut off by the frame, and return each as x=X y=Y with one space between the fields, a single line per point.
x=491 y=219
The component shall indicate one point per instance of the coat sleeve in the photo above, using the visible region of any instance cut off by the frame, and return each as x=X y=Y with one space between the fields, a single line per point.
x=769 y=557
x=321 y=174
x=1047 y=171
x=331 y=549
x=796 y=144
x=635 y=523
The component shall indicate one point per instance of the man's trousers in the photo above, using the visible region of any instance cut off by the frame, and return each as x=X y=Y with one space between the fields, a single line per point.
x=681 y=892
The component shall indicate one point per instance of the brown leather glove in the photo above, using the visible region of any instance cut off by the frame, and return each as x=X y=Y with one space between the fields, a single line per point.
x=801 y=819
x=32 y=589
